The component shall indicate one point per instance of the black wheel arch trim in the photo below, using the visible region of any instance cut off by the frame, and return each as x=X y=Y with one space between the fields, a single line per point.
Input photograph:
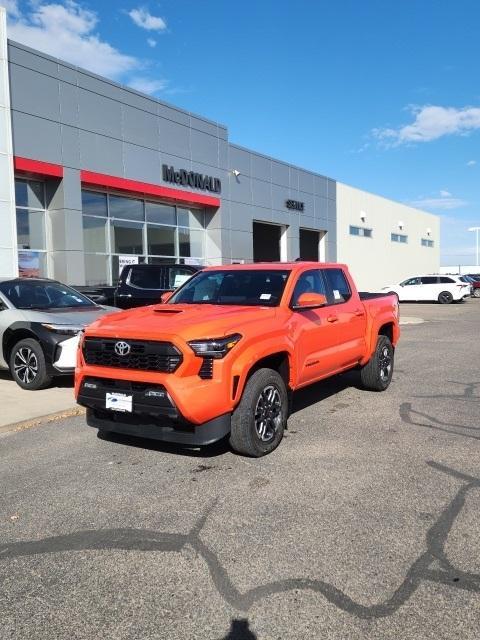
x=24 y=330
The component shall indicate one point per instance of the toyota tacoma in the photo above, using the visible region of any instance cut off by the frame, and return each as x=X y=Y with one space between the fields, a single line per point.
x=224 y=353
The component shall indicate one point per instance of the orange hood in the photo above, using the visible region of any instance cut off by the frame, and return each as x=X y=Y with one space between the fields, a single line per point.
x=188 y=321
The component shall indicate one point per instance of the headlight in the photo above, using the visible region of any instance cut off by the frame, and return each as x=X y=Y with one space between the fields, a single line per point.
x=214 y=348
x=63 y=329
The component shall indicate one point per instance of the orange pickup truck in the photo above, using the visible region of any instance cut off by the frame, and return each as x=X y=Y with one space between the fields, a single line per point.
x=223 y=353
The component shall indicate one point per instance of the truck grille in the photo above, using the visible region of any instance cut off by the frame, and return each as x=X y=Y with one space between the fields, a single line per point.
x=143 y=355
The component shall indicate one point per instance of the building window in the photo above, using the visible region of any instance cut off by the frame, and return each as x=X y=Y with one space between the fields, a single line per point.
x=399 y=237
x=360 y=231
x=161 y=240
x=94 y=204
x=427 y=243
x=31 y=236
x=153 y=232
x=127 y=237
x=94 y=234
x=126 y=208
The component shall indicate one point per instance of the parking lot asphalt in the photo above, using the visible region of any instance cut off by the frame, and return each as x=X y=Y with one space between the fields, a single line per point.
x=362 y=524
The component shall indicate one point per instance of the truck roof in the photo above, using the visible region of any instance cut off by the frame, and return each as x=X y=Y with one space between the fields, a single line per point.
x=269 y=266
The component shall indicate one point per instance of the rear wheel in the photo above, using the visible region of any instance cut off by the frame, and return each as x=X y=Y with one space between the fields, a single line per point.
x=376 y=375
x=259 y=421
x=27 y=365
x=476 y=292
x=445 y=297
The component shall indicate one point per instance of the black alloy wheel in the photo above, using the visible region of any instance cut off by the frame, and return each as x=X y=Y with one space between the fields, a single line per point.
x=445 y=297
x=377 y=374
x=260 y=418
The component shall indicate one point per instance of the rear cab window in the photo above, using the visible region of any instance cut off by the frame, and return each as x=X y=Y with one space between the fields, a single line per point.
x=337 y=287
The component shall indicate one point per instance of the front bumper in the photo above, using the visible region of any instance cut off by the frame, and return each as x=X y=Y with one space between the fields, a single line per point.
x=154 y=414
x=65 y=355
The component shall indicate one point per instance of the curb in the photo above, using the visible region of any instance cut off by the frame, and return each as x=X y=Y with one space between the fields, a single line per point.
x=36 y=422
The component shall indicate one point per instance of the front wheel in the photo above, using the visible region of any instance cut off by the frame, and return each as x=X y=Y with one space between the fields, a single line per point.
x=476 y=292
x=377 y=374
x=27 y=365
x=259 y=421
x=445 y=297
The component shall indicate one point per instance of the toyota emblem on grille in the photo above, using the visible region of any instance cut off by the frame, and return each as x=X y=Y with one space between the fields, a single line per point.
x=122 y=348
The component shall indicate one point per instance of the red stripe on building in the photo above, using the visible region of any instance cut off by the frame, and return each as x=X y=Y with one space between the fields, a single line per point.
x=37 y=167
x=90 y=178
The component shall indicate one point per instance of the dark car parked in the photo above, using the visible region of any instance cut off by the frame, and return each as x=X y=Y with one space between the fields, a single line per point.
x=474 y=279
x=99 y=294
x=142 y=284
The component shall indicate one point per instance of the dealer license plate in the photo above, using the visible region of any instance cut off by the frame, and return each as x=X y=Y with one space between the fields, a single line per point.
x=119 y=402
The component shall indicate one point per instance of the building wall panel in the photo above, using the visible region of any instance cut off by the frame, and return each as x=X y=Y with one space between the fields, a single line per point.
x=377 y=261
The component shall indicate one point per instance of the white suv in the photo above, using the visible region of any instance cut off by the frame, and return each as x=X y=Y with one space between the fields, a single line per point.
x=433 y=288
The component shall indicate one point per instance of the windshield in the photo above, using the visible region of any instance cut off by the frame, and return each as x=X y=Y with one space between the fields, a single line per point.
x=35 y=294
x=240 y=287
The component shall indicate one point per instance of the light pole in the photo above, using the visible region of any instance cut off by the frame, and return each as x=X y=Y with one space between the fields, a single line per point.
x=476 y=229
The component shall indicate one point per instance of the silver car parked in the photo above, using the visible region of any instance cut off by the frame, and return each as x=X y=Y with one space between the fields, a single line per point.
x=40 y=323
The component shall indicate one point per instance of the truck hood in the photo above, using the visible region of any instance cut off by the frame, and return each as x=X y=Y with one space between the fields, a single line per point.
x=189 y=321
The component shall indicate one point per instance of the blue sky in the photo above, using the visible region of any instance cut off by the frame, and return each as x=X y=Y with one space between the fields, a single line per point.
x=380 y=94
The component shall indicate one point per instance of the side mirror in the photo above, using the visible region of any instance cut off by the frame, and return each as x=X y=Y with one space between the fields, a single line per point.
x=310 y=301
x=165 y=297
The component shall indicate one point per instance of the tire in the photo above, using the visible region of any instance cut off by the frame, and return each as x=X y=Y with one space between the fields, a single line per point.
x=266 y=392
x=445 y=297
x=476 y=292
x=27 y=365
x=376 y=375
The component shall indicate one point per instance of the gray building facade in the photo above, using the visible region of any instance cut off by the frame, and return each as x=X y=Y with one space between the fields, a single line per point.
x=95 y=175
x=81 y=123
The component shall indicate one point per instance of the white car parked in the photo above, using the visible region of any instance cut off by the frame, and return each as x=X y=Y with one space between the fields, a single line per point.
x=432 y=288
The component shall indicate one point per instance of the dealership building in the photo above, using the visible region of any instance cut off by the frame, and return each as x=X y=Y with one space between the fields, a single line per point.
x=94 y=175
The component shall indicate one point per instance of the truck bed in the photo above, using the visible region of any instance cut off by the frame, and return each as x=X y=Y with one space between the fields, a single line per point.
x=366 y=295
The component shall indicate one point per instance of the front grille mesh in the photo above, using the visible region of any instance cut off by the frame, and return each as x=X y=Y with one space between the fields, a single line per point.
x=144 y=355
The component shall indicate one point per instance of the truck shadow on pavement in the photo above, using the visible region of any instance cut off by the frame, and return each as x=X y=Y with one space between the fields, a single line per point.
x=214 y=450
x=431 y=566
x=302 y=399
x=324 y=389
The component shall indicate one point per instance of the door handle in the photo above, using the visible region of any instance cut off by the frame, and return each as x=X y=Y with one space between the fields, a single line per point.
x=359 y=313
x=332 y=319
